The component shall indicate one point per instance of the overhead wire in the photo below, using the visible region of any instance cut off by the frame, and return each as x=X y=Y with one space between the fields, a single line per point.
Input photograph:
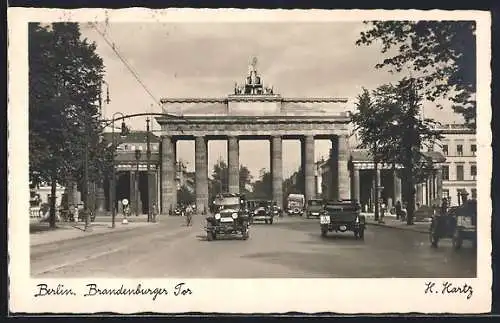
x=134 y=73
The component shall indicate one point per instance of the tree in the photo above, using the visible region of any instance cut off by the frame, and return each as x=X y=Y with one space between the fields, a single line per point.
x=185 y=196
x=388 y=124
x=65 y=76
x=441 y=53
x=220 y=179
x=245 y=179
x=262 y=188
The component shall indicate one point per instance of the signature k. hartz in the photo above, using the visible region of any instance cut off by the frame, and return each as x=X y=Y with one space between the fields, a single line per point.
x=448 y=288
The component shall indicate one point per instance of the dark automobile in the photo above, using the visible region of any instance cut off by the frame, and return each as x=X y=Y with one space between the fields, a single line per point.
x=342 y=216
x=230 y=217
x=459 y=224
x=262 y=210
x=314 y=208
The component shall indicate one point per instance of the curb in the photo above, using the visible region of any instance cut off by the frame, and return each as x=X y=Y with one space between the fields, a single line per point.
x=399 y=228
x=84 y=236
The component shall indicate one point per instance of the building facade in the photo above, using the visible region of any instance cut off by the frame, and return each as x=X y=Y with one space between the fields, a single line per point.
x=460 y=168
x=252 y=112
x=255 y=112
x=453 y=177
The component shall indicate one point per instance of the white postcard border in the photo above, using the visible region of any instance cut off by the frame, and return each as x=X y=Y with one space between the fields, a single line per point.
x=243 y=295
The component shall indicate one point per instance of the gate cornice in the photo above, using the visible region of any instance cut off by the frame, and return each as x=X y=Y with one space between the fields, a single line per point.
x=255 y=98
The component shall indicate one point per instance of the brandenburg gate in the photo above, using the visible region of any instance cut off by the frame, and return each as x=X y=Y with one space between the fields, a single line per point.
x=253 y=112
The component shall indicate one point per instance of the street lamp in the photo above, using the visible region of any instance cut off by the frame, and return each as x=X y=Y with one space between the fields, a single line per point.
x=123 y=133
x=148 y=156
x=137 y=158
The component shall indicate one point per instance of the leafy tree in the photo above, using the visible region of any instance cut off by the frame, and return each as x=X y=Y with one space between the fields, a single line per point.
x=262 y=188
x=245 y=179
x=65 y=76
x=185 y=196
x=441 y=53
x=220 y=179
x=388 y=124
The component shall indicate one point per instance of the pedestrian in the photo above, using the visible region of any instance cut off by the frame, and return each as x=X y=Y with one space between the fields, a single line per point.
x=189 y=215
x=444 y=206
x=398 y=210
x=382 y=211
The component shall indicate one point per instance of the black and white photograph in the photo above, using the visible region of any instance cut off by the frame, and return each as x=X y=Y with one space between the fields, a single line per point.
x=304 y=160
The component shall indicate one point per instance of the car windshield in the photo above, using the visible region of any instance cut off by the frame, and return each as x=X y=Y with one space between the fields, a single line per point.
x=315 y=203
x=228 y=201
x=229 y=206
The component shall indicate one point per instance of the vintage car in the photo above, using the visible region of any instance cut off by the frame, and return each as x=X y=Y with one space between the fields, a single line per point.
x=342 y=216
x=459 y=224
x=231 y=217
x=262 y=210
x=314 y=208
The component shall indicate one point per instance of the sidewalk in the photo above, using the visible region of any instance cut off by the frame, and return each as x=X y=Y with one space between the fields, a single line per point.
x=391 y=222
x=40 y=233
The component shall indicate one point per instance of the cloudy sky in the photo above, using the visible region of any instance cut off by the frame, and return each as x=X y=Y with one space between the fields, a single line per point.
x=206 y=59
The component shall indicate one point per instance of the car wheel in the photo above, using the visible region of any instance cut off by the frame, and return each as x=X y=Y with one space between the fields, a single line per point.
x=210 y=236
x=457 y=240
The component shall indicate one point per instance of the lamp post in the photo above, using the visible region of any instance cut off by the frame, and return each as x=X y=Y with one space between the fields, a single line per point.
x=148 y=156
x=137 y=158
x=113 y=176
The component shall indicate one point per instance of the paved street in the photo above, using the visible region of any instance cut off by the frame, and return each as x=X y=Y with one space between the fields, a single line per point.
x=290 y=248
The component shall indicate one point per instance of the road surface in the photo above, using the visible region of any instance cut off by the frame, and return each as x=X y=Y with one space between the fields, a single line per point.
x=290 y=248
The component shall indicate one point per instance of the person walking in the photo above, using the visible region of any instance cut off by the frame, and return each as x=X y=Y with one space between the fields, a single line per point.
x=398 y=210
x=189 y=215
x=444 y=206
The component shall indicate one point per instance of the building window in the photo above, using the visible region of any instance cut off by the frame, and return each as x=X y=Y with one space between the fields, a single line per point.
x=473 y=172
x=473 y=149
x=446 y=172
x=460 y=150
x=445 y=150
x=473 y=193
x=460 y=172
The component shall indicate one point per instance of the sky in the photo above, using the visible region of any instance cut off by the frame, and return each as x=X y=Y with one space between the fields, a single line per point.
x=205 y=60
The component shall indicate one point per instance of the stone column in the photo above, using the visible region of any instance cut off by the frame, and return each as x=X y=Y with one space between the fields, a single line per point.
x=343 y=182
x=100 y=198
x=397 y=189
x=355 y=185
x=151 y=189
x=133 y=195
x=167 y=174
x=201 y=169
x=439 y=183
x=277 y=169
x=418 y=194
x=233 y=164
x=308 y=153
x=333 y=184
